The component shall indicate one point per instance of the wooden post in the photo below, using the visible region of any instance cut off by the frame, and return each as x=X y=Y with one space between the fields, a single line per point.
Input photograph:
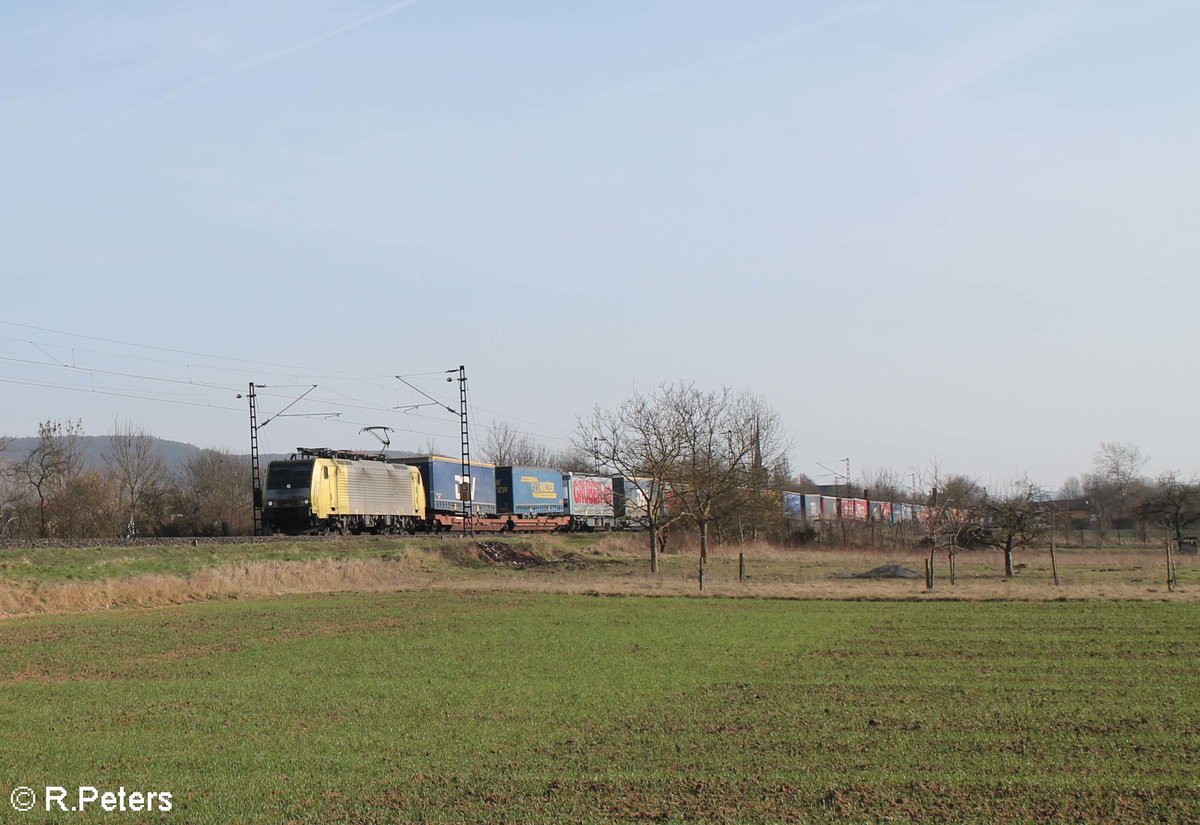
x=953 y=572
x=701 y=575
x=1171 y=583
x=928 y=575
x=741 y=567
x=1054 y=564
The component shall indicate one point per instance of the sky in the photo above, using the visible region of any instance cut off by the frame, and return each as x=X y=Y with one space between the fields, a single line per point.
x=961 y=233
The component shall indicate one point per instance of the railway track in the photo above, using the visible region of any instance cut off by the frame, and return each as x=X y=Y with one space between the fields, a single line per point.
x=200 y=541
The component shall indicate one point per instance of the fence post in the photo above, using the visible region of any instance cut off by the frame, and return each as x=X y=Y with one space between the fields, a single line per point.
x=1171 y=583
x=1053 y=563
x=741 y=567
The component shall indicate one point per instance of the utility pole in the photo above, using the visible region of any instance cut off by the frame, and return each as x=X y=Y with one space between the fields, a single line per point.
x=255 y=472
x=466 y=491
x=255 y=476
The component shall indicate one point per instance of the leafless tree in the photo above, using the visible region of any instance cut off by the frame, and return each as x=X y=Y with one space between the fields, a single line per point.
x=134 y=462
x=87 y=505
x=949 y=511
x=505 y=446
x=883 y=484
x=1072 y=488
x=728 y=441
x=1173 y=503
x=48 y=467
x=216 y=493
x=1015 y=517
x=1115 y=467
x=571 y=460
x=641 y=441
x=11 y=494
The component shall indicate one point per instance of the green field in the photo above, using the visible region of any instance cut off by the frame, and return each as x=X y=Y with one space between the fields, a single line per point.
x=451 y=706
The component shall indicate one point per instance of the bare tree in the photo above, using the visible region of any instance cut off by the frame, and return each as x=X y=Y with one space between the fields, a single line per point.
x=728 y=440
x=134 y=462
x=949 y=514
x=883 y=483
x=216 y=493
x=640 y=441
x=506 y=446
x=1015 y=517
x=1072 y=488
x=1173 y=503
x=1116 y=466
x=48 y=467
x=87 y=505
x=11 y=494
x=572 y=460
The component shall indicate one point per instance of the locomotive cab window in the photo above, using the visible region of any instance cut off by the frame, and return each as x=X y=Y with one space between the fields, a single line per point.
x=290 y=476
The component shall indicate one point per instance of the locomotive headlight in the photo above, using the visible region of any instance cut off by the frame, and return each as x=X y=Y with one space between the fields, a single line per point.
x=306 y=501
x=270 y=504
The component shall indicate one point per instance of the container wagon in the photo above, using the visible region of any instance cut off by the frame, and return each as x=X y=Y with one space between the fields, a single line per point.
x=531 y=498
x=589 y=501
x=444 y=482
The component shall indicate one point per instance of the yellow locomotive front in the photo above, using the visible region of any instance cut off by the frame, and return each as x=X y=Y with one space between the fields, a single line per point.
x=318 y=494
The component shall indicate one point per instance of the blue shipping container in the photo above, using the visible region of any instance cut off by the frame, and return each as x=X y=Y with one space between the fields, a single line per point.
x=443 y=479
x=530 y=491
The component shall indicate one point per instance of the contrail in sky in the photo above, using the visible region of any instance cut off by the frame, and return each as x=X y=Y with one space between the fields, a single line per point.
x=253 y=63
x=45 y=25
x=757 y=47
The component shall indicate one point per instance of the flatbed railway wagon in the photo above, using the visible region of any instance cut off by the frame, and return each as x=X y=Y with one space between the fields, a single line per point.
x=322 y=491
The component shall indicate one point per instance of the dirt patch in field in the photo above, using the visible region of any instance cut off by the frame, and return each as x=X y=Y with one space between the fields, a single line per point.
x=520 y=558
x=887 y=571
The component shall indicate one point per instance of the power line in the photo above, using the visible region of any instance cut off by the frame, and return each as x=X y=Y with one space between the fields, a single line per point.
x=95 y=391
x=185 y=352
x=155 y=396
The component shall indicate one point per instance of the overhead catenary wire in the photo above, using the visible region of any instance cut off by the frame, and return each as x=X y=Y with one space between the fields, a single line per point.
x=203 y=398
x=356 y=377
x=188 y=352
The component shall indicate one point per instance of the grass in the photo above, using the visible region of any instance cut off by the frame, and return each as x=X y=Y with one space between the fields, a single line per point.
x=41 y=580
x=75 y=564
x=449 y=705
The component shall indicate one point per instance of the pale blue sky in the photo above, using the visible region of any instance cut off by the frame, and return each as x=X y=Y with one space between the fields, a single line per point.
x=954 y=230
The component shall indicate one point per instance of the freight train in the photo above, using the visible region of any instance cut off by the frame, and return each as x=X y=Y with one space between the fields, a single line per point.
x=814 y=509
x=319 y=490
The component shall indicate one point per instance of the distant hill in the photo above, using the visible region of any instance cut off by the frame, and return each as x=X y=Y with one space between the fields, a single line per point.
x=175 y=453
x=96 y=447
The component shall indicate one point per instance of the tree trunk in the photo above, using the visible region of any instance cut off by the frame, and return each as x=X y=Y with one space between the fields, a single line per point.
x=1008 y=571
x=704 y=542
x=653 y=548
